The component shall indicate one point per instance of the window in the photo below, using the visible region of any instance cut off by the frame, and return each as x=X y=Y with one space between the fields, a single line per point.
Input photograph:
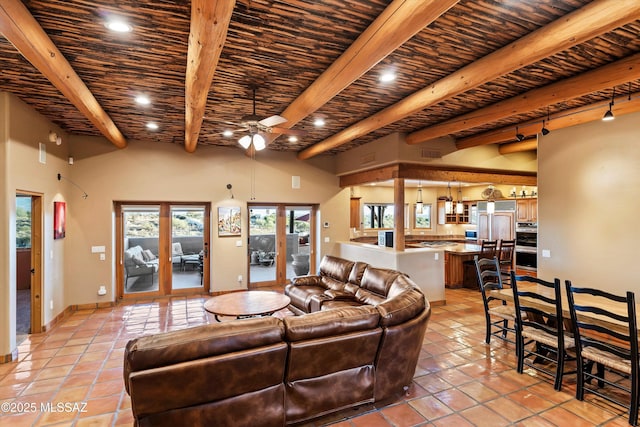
x=381 y=215
x=23 y=222
x=423 y=219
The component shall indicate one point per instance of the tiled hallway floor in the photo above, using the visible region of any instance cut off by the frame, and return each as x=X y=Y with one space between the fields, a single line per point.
x=460 y=381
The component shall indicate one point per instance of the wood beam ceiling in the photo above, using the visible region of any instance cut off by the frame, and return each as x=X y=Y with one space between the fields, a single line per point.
x=400 y=21
x=625 y=104
x=209 y=25
x=21 y=29
x=596 y=18
x=439 y=173
x=605 y=77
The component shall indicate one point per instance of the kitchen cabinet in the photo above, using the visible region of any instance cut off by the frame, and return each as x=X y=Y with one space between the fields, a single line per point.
x=454 y=218
x=502 y=226
x=527 y=210
x=355 y=213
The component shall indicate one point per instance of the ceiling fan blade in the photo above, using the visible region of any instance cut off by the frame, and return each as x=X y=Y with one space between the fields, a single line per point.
x=286 y=131
x=272 y=121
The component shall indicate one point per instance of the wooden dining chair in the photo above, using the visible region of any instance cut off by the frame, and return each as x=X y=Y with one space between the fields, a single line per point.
x=540 y=334
x=506 y=251
x=612 y=350
x=488 y=249
x=496 y=311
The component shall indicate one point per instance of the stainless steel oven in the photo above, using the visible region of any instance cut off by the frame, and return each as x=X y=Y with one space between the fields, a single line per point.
x=527 y=246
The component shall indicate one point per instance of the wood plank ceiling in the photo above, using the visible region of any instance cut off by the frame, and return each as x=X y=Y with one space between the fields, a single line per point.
x=470 y=69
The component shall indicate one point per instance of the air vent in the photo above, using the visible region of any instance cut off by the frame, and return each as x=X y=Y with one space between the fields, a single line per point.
x=368 y=158
x=430 y=154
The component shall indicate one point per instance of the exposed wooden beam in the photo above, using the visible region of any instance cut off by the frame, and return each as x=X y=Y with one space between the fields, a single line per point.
x=209 y=24
x=518 y=147
x=564 y=119
x=597 y=17
x=19 y=27
x=400 y=21
x=439 y=173
x=608 y=76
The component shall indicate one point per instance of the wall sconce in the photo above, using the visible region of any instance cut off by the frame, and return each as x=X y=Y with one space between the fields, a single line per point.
x=419 y=204
x=53 y=137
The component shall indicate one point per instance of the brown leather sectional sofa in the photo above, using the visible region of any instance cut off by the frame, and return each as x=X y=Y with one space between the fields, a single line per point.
x=356 y=339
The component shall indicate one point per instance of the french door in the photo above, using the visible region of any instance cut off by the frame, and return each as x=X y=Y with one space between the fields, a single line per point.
x=281 y=243
x=163 y=248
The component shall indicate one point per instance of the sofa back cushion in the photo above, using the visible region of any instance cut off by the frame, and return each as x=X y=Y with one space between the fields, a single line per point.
x=336 y=268
x=378 y=280
x=329 y=323
x=173 y=347
x=355 y=277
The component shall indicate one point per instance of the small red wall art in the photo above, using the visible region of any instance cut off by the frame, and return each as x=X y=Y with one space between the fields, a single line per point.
x=59 y=219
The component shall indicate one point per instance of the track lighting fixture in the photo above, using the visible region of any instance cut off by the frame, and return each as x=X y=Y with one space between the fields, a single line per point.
x=608 y=116
x=544 y=130
x=519 y=136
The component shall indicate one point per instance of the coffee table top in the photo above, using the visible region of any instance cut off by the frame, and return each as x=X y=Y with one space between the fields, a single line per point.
x=247 y=303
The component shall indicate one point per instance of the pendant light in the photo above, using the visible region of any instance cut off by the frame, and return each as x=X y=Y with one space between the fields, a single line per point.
x=419 y=204
x=608 y=116
x=448 y=204
x=459 y=204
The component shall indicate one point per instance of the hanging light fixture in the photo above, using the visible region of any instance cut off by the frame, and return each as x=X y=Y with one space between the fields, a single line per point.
x=608 y=116
x=419 y=204
x=448 y=204
x=544 y=130
x=519 y=136
x=459 y=204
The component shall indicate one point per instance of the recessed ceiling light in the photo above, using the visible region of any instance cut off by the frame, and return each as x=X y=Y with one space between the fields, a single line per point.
x=387 y=77
x=118 y=26
x=152 y=126
x=293 y=138
x=319 y=122
x=143 y=100
x=227 y=133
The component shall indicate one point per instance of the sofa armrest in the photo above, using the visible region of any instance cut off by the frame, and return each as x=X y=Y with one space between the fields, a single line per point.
x=307 y=281
x=335 y=294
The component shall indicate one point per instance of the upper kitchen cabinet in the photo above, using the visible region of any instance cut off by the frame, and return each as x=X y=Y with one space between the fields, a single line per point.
x=527 y=210
x=464 y=217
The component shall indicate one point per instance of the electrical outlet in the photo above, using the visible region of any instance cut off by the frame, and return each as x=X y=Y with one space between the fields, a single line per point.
x=51 y=305
x=436 y=256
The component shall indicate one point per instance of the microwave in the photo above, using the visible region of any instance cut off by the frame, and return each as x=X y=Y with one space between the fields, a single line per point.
x=471 y=234
x=385 y=238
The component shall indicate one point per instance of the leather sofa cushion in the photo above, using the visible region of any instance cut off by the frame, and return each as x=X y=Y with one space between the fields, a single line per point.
x=401 y=284
x=401 y=308
x=301 y=295
x=200 y=342
x=331 y=283
x=336 y=268
x=378 y=280
x=364 y=296
x=330 y=323
x=355 y=277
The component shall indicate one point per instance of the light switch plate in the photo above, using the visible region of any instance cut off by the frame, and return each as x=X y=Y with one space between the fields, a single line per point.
x=546 y=253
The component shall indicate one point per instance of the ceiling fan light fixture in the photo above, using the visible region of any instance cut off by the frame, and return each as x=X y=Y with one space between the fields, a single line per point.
x=258 y=142
x=245 y=141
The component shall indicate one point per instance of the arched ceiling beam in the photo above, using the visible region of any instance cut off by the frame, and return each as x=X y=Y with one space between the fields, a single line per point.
x=608 y=76
x=595 y=18
x=209 y=24
x=21 y=29
x=400 y=21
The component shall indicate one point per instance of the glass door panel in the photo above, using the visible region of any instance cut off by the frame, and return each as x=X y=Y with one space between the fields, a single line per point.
x=298 y=226
x=262 y=243
x=187 y=246
x=141 y=232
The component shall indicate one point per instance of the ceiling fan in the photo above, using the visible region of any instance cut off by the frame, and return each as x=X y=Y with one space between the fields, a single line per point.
x=256 y=127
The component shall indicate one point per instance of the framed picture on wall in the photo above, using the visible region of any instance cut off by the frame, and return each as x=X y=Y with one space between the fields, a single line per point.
x=59 y=219
x=229 y=221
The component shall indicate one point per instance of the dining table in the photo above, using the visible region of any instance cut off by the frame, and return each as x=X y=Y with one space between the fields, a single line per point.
x=506 y=294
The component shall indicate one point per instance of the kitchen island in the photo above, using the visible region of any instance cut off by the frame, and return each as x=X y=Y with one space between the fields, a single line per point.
x=430 y=264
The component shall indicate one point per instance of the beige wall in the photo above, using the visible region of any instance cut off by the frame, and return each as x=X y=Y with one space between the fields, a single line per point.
x=589 y=185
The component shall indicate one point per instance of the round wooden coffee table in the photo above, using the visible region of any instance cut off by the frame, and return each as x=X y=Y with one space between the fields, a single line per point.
x=246 y=304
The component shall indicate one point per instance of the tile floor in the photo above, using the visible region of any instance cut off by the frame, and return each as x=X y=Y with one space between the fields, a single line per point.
x=460 y=381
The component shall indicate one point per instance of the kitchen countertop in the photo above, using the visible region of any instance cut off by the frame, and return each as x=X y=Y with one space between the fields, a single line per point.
x=452 y=247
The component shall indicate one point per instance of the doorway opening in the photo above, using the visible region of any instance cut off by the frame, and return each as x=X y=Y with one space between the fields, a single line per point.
x=28 y=265
x=281 y=243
